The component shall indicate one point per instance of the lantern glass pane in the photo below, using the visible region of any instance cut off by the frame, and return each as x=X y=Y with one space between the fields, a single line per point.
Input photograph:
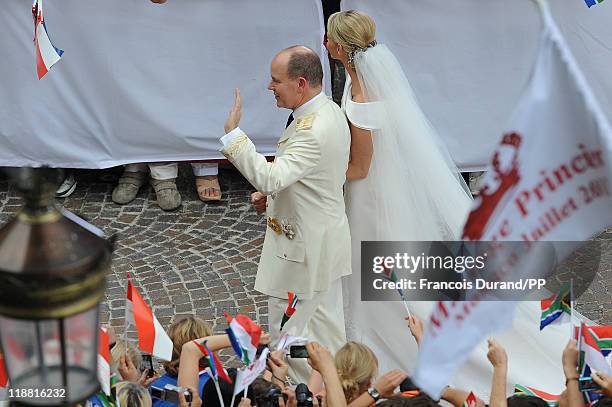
x=52 y=354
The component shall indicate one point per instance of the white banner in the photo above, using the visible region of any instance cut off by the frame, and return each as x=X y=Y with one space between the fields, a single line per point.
x=142 y=82
x=467 y=60
x=248 y=374
x=548 y=180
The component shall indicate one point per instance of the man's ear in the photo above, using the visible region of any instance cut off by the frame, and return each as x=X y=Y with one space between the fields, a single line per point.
x=302 y=83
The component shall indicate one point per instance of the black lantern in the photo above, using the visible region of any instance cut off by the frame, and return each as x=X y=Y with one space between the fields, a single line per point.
x=52 y=279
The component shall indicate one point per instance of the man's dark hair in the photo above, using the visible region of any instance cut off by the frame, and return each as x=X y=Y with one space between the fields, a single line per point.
x=526 y=401
x=305 y=63
x=209 y=395
x=421 y=400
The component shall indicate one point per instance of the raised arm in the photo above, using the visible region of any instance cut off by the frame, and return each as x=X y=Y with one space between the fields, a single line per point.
x=189 y=364
x=498 y=358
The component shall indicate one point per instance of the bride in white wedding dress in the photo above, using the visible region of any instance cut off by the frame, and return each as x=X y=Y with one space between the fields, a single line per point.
x=403 y=185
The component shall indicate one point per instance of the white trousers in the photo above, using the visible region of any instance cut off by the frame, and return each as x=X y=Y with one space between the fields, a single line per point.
x=320 y=319
x=162 y=171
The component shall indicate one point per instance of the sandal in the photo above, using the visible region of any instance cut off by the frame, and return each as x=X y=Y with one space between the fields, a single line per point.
x=208 y=182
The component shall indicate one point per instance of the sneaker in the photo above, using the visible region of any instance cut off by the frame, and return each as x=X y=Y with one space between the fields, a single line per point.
x=168 y=196
x=67 y=187
x=128 y=186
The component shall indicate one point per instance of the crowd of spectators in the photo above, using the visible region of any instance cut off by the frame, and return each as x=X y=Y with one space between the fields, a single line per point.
x=348 y=378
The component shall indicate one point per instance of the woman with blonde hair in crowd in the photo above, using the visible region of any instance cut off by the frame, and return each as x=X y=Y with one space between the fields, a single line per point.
x=357 y=368
x=182 y=332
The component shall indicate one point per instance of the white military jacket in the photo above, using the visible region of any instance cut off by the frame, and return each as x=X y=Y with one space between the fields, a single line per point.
x=307 y=244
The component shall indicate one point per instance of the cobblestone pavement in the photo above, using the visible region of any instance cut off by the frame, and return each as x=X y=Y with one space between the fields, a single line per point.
x=202 y=258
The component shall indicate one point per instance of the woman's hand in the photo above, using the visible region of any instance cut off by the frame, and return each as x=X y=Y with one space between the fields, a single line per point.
x=278 y=366
x=604 y=381
x=245 y=402
x=319 y=358
x=388 y=382
x=146 y=381
x=570 y=360
x=196 y=401
x=497 y=354
x=127 y=370
x=416 y=328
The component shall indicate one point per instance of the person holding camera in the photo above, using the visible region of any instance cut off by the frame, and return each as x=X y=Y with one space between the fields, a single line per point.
x=604 y=381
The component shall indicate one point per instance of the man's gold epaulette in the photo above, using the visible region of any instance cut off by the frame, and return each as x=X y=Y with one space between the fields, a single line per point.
x=304 y=122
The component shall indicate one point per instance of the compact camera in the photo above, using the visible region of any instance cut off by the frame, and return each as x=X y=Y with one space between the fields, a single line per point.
x=170 y=393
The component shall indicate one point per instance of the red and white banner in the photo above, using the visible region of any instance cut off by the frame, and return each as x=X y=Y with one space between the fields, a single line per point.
x=151 y=335
x=548 y=180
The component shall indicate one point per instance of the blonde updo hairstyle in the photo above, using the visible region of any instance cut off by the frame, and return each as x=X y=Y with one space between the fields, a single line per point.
x=357 y=366
x=353 y=30
x=181 y=332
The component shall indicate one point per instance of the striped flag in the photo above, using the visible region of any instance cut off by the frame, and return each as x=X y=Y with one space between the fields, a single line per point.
x=557 y=309
x=591 y=3
x=244 y=335
x=104 y=373
x=595 y=347
x=3 y=374
x=292 y=300
x=551 y=399
x=152 y=338
x=214 y=364
x=47 y=54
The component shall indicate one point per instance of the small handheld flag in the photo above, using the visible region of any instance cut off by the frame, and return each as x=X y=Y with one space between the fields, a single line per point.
x=557 y=308
x=47 y=54
x=591 y=3
x=244 y=335
x=3 y=375
x=151 y=335
x=391 y=276
x=292 y=300
x=104 y=373
x=214 y=364
x=551 y=399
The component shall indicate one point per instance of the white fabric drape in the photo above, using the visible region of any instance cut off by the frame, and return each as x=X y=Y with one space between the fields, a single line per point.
x=141 y=82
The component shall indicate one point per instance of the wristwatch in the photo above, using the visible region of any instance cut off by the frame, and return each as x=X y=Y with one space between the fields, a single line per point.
x=374 y=393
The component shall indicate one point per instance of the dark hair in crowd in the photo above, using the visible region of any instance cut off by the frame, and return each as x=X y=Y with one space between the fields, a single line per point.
x=421 y=400
x=305 y=63
x=526 y=401
x=604 y=402
x=210 y=398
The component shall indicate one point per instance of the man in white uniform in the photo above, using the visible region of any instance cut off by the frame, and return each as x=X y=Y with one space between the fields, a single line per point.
x=307 y=243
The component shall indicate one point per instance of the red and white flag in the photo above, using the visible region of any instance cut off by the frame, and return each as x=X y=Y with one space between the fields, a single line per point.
x=3 y=374
x=47 y=54
x=548 y=180
x=151 y=335
x=593 y=357
x=104 y=373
